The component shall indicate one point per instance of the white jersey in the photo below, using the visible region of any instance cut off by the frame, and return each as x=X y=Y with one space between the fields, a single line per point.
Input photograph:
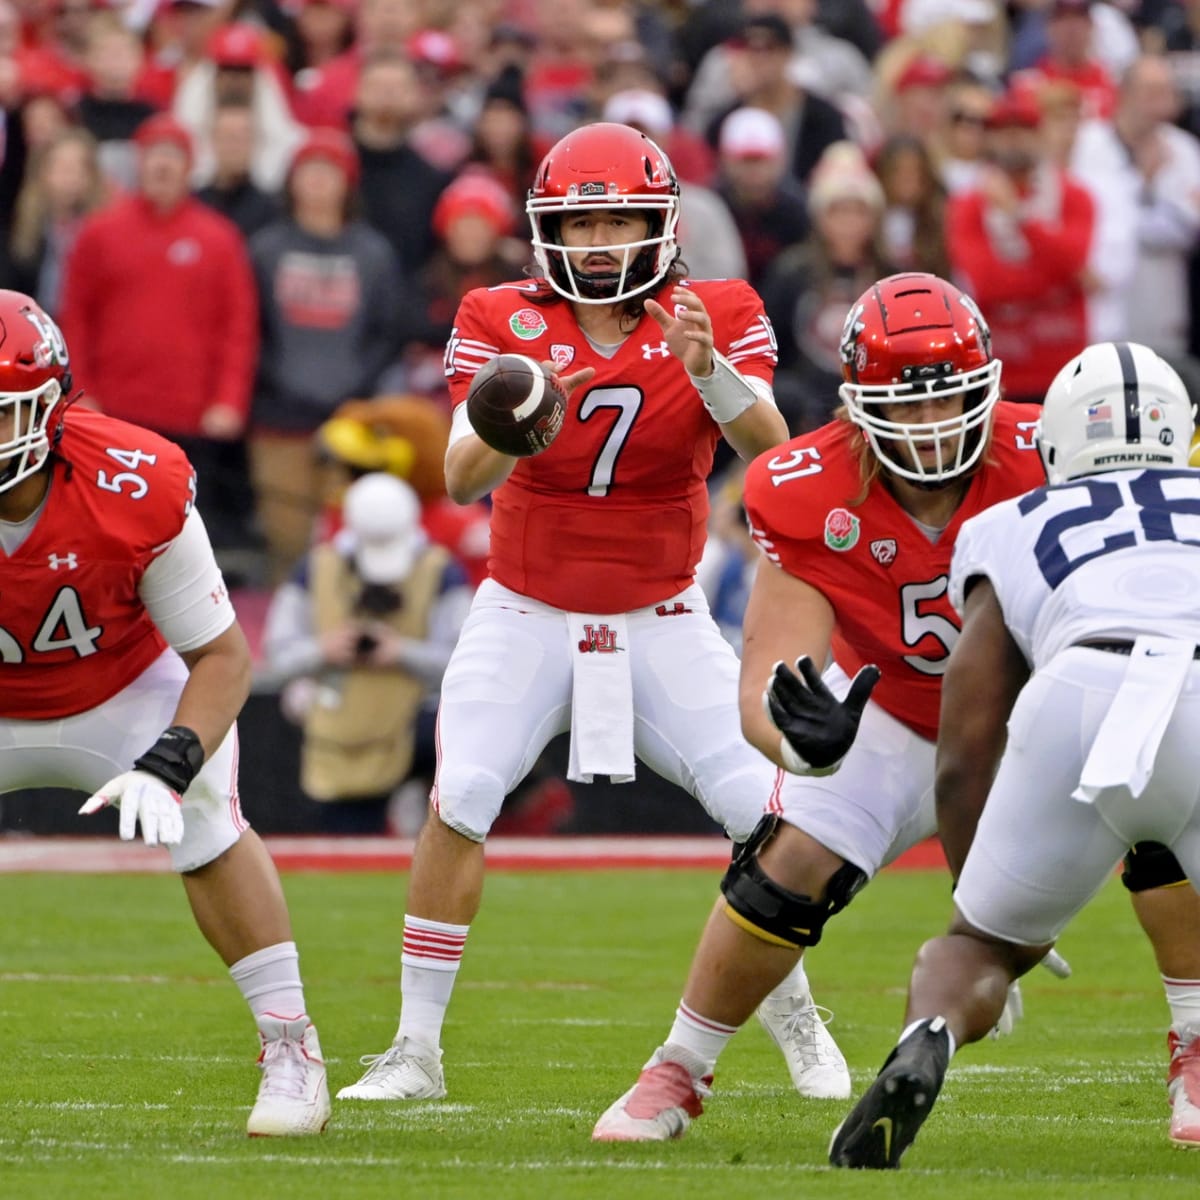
x=1109 y=557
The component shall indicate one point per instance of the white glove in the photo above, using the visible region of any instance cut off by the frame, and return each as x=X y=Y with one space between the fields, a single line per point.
x=1014 y=1010
x=141 y=797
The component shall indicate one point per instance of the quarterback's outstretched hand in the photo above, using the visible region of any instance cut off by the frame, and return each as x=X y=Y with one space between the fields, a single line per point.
x=817 y=728
x=142 y=798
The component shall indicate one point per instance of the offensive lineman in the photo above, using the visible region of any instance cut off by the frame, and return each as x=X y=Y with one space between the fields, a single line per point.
x=122 y=670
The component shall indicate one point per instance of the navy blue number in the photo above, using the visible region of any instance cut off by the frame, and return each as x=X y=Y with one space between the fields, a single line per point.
x=1156 y=512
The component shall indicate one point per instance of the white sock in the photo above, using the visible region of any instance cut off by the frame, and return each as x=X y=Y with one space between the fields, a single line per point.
x=269 y=979
x=433 y=951
x=701 y=1039
x=794 y=984
x=1183 y=999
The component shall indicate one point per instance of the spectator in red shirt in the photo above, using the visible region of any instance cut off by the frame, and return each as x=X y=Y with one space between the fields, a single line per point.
x=1020 y=240
x=160 y=302
x=1070 y=58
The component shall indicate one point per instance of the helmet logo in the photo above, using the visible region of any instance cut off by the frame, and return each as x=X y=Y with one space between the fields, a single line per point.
x=591 y=189
x=841 y=530
x=1099 y=422
x=52 y=349
x=1166 y=436
x=853 y=327
x=527 y=323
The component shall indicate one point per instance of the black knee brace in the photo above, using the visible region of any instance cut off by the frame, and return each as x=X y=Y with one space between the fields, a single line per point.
x=770 y=912
x=1151 y=865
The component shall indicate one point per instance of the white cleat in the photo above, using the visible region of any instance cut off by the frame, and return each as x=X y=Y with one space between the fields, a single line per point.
x=293 y=1096
x=816 y=1065
x=1183 y=1089
x=660 y=1106
x=405 y=1071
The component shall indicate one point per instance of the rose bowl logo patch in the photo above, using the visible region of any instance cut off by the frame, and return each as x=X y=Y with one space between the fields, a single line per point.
x=841 y=529
x=527 y=323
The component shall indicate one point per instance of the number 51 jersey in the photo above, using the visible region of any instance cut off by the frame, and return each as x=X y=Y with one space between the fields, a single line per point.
x=886 y=580
x=1108 y=556
x=73 y=630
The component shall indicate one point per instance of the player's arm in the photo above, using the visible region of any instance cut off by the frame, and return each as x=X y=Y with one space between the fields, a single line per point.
x=985 y=673
x=785 y=619
x=185 y=596
x=742 y=405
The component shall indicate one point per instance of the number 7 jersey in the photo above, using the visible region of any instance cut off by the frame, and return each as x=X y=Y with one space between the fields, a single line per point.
x=886 y=580
x=612 y=516
x=73 y=629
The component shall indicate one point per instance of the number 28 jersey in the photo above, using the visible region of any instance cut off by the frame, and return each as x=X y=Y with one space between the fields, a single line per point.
x=73 y=630
x=613 y=515
x=885 y=579
x=1107 y=556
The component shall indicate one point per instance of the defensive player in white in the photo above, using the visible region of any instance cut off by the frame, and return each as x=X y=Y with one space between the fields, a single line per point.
x=122 y=671
x=1079 y=648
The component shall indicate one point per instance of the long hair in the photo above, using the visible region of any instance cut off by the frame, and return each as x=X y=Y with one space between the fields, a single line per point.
x=32 y=211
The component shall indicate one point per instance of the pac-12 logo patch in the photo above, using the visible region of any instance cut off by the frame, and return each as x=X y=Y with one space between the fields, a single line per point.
x=883 y=551
x=527 y=323
x=841 y=529
x=562 y=354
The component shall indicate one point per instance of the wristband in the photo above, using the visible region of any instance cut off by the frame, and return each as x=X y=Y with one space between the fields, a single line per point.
x=793 y=762
x=726 y=392
x=174 y=759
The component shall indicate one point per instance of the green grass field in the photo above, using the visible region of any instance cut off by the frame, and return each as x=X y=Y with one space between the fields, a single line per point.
x=127 y=1066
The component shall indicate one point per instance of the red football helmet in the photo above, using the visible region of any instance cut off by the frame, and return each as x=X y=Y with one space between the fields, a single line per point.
x=596 y=168
x=907 y=338
x=35 y=381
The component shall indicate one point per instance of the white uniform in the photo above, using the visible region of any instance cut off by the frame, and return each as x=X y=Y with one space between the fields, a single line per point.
x=1103 y=746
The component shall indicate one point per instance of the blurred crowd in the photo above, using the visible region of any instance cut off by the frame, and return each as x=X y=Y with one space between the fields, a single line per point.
x=254 y=219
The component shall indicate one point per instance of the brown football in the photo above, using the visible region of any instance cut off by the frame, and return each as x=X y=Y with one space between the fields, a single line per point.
x=516 y=405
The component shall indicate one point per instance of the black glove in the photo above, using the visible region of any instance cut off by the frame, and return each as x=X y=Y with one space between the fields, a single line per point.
x=174 y=758
x=817 y=728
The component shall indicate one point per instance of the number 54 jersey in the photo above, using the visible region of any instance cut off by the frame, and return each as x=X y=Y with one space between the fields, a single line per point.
x=73 y=630
x=1108 y=556
x=886 y=578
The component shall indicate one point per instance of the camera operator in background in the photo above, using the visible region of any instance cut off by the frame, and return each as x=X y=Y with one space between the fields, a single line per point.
x=360 y=638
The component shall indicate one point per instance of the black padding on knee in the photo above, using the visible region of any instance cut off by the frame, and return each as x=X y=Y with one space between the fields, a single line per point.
x=1151 y=865
x=765 y=906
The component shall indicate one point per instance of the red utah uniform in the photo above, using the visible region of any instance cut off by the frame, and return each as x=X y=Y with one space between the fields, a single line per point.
x=887 y=582
x=612 y=517
x=73 y=631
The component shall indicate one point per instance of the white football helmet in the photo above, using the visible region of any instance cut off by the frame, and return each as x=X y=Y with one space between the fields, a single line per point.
x=1116 y=406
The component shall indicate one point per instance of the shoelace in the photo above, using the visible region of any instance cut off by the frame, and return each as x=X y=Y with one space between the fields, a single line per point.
x=802 y=1027
x=393 y=1056
x=285 y=1068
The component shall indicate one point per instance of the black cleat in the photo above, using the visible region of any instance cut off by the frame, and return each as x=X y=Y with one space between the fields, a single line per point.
x=884 y=1123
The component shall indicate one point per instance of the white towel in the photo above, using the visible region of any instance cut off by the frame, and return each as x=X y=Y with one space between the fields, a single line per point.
x=601 y=698
x=1122 y=756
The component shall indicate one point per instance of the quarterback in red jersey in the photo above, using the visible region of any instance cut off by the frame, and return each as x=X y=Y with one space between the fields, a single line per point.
x=857 y=522
x=122 y=671
x=590 y=619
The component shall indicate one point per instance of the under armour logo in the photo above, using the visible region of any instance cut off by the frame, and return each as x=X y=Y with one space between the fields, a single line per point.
x=67 y=560
x=649 y=350
x=218 y=593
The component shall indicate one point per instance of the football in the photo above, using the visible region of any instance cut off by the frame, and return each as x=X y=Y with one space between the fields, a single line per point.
x=516 y=405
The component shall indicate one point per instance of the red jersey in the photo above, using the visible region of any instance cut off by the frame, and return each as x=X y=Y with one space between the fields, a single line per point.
x=74 y=631
x=887 y=582
x=613 y=515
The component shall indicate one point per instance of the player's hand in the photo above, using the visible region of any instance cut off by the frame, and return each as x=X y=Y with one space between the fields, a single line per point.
x=569 y=382
x=817 y=728
x=687 y=329
x=1014 y=1010
x=145 y=800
